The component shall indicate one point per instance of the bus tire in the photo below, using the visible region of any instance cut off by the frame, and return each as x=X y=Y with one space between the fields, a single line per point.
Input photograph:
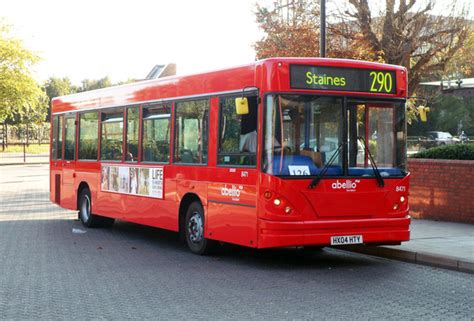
x=85 y=212
x=194 y=230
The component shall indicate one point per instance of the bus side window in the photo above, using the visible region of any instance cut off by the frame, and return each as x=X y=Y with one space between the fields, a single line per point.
x=132 y=134
x=111 y=135
x=156 y=134
x=70 y=137
x=191 y=132
x=237 y=133
x=88 y=140
x=57 y=142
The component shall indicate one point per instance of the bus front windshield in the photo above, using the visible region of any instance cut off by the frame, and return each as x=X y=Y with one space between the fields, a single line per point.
x=305 y=133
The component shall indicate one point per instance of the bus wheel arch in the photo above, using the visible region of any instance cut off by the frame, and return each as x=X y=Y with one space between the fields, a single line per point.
x=187 y=199
x=84 y=206
x=191 y=213
x=80 y=188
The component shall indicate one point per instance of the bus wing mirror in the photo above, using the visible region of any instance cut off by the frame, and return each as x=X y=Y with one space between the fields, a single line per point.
x=241 y=106
x=422 y=110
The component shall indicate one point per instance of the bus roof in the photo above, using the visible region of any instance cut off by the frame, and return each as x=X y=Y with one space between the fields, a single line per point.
x=228 y=80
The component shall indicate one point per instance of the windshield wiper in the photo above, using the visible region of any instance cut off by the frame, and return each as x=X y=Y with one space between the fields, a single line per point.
x=372 y=163
x=316 y=180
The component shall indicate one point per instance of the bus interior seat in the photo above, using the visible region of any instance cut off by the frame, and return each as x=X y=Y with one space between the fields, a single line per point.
x=315 y=156
x=186 y=156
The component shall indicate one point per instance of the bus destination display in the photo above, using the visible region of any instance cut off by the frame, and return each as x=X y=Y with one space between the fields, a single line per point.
x=343 y=79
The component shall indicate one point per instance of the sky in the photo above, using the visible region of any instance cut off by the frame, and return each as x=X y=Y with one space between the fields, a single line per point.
x=91 y=39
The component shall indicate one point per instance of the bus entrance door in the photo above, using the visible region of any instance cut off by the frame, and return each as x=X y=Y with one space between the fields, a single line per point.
x=232 y=206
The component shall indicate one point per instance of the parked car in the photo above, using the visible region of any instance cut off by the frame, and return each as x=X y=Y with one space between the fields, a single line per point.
x=463 y=138
x=437 y=138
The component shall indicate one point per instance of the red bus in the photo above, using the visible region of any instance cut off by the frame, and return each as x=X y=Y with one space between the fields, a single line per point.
x=282 y=152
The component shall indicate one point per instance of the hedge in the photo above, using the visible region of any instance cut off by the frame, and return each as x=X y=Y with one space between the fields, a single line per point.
x=458 y=151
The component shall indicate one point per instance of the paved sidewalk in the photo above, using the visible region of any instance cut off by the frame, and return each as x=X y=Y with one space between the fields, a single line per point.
x=17 y=159
x=442 y=244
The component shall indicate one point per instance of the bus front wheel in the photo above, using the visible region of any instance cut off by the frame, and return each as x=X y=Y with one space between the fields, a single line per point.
x=194 y=230
x=85 y=212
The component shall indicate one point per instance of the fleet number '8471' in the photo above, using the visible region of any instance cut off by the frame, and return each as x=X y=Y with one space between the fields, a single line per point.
x=400 y=188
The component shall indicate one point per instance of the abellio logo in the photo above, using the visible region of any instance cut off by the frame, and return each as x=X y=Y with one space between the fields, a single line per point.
x=232 y=191
x=348 y=185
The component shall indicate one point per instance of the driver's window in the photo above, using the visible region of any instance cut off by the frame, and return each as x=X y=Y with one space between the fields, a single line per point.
x=237 y=133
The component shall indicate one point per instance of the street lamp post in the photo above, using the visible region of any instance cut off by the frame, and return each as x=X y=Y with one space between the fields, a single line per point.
x=322 y=35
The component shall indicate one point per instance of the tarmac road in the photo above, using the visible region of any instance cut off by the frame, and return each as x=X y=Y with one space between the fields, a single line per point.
x=51 y=269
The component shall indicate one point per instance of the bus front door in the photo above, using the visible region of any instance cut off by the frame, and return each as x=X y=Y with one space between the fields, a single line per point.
x=232 y=194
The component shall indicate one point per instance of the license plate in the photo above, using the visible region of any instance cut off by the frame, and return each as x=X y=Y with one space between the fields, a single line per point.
x=346 y=239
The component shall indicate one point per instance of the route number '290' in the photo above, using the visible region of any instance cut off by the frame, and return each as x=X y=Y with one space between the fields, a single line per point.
x=381 y=81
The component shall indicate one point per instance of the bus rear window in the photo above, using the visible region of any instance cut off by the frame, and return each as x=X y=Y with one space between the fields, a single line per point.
x=57 y=141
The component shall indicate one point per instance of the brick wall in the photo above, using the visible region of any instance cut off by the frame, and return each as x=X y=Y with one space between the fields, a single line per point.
x=442 y=189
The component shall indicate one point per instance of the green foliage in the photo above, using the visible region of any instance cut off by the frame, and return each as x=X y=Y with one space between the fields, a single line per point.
x=56 y=87
x=373 y=146
x=88 y=84
x=231 y=126
x=447 y=113
x=459 y=151
x=30 y=149
x=21 y=99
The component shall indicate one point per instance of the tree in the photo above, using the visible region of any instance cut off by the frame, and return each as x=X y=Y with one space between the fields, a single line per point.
x=415 y=38
x=294 y=36
x=462 y=64
x=88 y=84
x=20 y=95
x=55 y=87
x=399 y=34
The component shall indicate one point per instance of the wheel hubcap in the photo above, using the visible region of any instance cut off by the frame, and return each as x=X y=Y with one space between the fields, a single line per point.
x=86 y=208
x=195 y=228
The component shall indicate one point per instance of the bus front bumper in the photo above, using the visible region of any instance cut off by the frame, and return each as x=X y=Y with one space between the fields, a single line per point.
x=305 y=233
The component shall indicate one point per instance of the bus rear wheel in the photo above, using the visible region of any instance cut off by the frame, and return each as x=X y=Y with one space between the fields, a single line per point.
x=194 y=226
x=85 y=212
